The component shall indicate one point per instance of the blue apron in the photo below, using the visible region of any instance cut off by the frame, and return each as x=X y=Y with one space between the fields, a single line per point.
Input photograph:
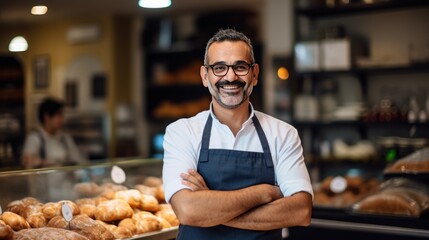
x=230 y=170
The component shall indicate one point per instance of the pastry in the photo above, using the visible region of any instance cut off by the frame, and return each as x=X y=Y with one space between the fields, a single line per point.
x=149 y=203
x=152 y=181
x=15 y=221
x=113 y=210
x=159 y=194
x=132 y=196
x=168 y=215
x=36 y=220
x=147 y=222
x=119 y=232
x=146 y=189
x=6 y=231
x=130 y=224
x=87 y=189
x=88 y=210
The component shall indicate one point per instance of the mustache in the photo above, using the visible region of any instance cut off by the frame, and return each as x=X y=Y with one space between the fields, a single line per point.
x=228 y=83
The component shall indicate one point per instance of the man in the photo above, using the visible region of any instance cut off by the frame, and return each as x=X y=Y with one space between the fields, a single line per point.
x=233 y=172
x=49 y=146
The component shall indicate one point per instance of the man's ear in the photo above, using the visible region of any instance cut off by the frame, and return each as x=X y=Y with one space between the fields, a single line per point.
x=204 y=76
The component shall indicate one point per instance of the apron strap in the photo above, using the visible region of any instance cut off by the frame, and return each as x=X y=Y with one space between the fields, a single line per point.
x=264 y=142
x=204 y=152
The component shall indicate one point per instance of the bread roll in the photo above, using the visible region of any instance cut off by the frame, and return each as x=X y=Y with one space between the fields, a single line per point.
x=58 y=222
x=37 y=220
x=15 y=221
x=113 y=210
x=6 y=231
x=149 y=203
x=85 y=201
x=147 y=223
x=129 y=224
x=30 y=210
x=132 y=196
x=164 y=223
x=152 y=181
x=168 y=215
x=146 y=189
x=159 y=194
x=51 y=210
x=48 y=233
x=119 y=232
x=87 y=189
x=88 y=210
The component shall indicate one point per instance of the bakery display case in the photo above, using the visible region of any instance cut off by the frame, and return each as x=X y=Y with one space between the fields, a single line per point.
x=120 y=199
x=394 y=207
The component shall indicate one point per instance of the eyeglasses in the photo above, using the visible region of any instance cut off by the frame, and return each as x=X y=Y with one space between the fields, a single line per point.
x=240 y=69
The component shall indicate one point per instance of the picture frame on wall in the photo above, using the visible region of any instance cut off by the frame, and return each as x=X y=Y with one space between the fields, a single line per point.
x=41 y=69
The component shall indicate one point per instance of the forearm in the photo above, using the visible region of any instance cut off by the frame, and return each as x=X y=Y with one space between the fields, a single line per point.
x=281 y=213
x=209 y=207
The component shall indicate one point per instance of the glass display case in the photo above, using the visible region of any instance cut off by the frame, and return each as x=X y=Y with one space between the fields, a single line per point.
x=82 y=181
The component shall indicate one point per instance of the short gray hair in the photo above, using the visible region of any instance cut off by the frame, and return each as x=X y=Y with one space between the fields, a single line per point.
x=228 y=35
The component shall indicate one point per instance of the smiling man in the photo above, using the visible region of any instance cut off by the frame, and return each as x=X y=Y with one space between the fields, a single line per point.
x=232 y=172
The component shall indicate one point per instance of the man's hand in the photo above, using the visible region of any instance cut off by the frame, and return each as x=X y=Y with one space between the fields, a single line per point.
x=194 y=180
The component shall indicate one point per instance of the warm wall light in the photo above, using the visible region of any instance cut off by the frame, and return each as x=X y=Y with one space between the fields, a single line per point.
x=18 y=44
x=39 y=10
x=154 y=3
x=283 y=73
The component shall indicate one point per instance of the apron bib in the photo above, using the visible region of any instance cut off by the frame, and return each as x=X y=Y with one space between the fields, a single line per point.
x=230 y=170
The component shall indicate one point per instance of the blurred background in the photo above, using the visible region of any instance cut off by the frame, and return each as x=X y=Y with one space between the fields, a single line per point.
x=347 y=74
x=351 y=75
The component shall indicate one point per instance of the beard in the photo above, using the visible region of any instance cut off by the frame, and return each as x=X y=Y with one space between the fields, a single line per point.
x=230 y=99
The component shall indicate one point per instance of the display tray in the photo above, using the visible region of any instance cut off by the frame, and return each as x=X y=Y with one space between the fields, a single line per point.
x=164 y=234
x=421 y=222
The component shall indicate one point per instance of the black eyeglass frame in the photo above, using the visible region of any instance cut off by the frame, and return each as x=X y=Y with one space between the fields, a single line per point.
x=250 y=65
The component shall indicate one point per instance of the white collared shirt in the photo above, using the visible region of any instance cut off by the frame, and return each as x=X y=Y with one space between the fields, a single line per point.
x=182 y=144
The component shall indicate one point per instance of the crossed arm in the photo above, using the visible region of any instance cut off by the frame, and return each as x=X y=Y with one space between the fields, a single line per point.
x=259 y=207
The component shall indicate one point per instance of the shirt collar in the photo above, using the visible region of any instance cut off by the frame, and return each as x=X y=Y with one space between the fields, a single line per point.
x=247 y=122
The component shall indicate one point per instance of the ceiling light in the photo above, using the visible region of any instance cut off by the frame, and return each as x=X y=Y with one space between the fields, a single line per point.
x=18 y=44
x=154 y=3
x=39 y=10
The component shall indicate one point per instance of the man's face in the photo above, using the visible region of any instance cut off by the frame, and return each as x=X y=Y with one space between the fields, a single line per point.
x=229 y=91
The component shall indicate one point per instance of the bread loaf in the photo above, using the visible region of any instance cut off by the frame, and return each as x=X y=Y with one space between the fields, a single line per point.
x=113 y=210
x=6 y=231
x=90 y=228
x=15 y=221
x=387 y=204
x=18 y=206
x=48 y=233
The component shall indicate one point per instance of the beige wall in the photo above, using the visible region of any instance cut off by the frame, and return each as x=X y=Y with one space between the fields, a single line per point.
x=50 y=39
